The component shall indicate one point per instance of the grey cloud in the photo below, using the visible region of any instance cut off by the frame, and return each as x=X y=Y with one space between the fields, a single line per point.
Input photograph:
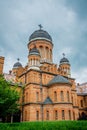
x=80 y=6
x=61 y=18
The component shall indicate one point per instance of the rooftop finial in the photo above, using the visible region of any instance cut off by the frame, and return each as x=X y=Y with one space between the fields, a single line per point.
x=18 y=59
x=63 y=54
x=40 y=26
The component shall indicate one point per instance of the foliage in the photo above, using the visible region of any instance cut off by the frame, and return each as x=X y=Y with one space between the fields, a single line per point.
x=47 y=125
x=8 y=98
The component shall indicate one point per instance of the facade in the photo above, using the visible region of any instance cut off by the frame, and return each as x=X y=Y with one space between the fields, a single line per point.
x=49 y=92
x=82 y=100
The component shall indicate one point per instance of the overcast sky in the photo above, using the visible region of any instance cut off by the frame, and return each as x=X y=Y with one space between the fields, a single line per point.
x=64 y=20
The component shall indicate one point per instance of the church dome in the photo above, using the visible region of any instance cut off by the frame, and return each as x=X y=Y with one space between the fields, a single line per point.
x=64 y=60
x=17 y=65
x=40 y=34
x=34 y=51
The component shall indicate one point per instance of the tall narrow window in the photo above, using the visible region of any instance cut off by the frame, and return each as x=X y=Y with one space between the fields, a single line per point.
x=47 y=52
x=31 y=62
x=56 y=114
x=37 y=115
x=72 y=99
x=69 y=115
x=25 y=115
x=62 y=96
x=81 y=103
x=68 y=96
x=37 y=96
x=41 y=51
x=50 y=54
x=85 y=102
x=47 y=115
x=73 y=115
x=63 y=115
x=55 y=96
x=26 y=98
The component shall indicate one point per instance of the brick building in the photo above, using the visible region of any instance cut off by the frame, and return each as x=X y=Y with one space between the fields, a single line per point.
x=49 y=92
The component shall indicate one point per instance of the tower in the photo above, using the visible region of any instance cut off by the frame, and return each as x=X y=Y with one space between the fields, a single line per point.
x=64 y=67
x=34 y=58
x=17 y=68
x=43 y=42
x=1 y=64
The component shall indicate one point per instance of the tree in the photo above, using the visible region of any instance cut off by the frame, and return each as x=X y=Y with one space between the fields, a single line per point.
x=9 y=97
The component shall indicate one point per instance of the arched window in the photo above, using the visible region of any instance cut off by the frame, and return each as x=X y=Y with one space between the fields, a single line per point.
x=37 y=115
x=31 y=62
x=73 y=115
x=62 y=95
x=41 y=51
x=37 y=96
x=72 y=99
x=34 y=61
x=55 y=96
x=63 y=115
x=69 y=115
x=26 y=97
x=50 y=54
x=68 y=97
x=37 y=62
x=47 y=52
x=85 y=101
x=81 y=103
x=25 y=115
x=47 y=115
x=56 y=114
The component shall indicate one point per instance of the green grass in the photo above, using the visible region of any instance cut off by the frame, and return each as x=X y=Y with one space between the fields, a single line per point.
x=47 y=125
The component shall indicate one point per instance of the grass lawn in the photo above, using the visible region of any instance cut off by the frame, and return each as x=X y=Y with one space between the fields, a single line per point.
x=47 y=125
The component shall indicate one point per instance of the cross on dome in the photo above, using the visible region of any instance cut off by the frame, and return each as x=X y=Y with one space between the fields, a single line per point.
x=40 y=26
x=18 y=59
x=63 y=54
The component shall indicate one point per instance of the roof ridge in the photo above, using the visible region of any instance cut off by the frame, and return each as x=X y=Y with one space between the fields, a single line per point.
x=59 y=79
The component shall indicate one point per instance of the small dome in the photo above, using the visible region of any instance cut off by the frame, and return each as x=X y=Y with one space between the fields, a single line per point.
x=40 y=34
x=34 y=51
x=64 y=60
x=17 y=65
